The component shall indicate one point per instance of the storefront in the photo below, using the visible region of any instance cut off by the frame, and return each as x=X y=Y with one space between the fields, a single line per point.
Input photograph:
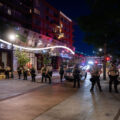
x=31 y=41
x=5 y=57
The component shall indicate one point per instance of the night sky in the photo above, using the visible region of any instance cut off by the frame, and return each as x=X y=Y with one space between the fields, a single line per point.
x=73 y=9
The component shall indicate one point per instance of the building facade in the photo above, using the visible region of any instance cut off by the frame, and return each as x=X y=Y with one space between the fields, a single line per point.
x=37 y=23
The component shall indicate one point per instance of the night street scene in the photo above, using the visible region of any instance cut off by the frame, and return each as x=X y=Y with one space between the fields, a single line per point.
x=59 y=60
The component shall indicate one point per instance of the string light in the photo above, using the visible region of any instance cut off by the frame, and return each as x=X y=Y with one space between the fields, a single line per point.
x=37 y=49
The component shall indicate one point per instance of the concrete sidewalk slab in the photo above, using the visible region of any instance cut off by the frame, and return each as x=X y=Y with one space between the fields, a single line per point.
x=31 y=105
x=11 y=88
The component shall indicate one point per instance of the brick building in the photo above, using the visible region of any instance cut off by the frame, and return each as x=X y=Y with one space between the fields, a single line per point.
x=37 y=16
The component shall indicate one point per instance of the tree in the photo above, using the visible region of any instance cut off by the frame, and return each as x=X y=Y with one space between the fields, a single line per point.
x=46 y=59
x=102 y=25
x=22 y=58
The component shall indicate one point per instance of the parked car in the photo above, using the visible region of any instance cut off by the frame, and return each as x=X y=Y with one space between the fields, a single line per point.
x=68 y=75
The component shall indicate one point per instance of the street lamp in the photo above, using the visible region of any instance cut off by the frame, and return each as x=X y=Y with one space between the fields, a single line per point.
x=12 y=37
x=100 y=49
x=100 y=54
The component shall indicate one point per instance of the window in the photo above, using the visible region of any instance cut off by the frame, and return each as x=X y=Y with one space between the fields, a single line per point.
x=37 y=22
x=30 y=10
x=1 y=4
x=47 y=18
x=9 y=11
x=36 y=11
x=47 y=9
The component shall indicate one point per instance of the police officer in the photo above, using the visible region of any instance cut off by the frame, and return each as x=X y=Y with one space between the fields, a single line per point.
x=61 y=72
x=113 y=73
x=95 y=74
x=7 y=71
x=25 y=72
x=76 y=76
x=43 y=72
x=49 y=74
x=19 y=70
x=33 y=74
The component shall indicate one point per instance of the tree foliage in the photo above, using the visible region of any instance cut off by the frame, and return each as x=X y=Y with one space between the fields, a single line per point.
x=22 y=58
x=102 y=25
x=46 y=59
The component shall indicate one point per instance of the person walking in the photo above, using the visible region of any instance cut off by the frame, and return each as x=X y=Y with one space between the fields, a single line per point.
x=19 y=70
x=33 y=74
x=113 y=74
x=95 y=77
x=25 y=72
x=43 y=72
x=49 y=72
x=61 y=72
x=76 y=76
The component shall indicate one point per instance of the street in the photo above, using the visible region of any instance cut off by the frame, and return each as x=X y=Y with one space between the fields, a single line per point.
x=24 y=100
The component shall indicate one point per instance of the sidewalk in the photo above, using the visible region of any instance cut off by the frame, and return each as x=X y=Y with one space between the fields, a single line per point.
x=15 y=87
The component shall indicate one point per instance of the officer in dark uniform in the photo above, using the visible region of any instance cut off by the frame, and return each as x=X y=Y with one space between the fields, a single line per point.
x=7 y=71
x=19 y=70
x=49 y=74
x=61 y=72
x=76 y=76
x=25 y=72
x=113 y=74
x=43 y=72
x=95 y=73
x=33 y=74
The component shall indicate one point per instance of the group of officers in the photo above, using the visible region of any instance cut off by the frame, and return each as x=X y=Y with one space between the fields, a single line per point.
x=95 y=72
x=113 y=75
x=47 y=72
x=25 y=72
x=20 y=70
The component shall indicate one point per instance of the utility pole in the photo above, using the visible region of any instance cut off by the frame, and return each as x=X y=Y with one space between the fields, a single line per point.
x=12 y=58
x=104 y=62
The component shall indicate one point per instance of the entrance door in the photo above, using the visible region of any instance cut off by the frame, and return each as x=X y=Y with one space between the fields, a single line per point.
x=4 y=58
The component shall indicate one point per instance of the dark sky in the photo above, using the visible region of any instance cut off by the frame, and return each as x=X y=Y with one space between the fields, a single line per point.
x=74 y=9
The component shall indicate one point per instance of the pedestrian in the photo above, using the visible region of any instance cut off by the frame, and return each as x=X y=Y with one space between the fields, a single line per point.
x=76 y=76
x=113 y=74
x=33 y=74
x=43 y=73
x=19 y=70
x=49 y=72
x=95 y=77
x=61 y=72
x=25 y=72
